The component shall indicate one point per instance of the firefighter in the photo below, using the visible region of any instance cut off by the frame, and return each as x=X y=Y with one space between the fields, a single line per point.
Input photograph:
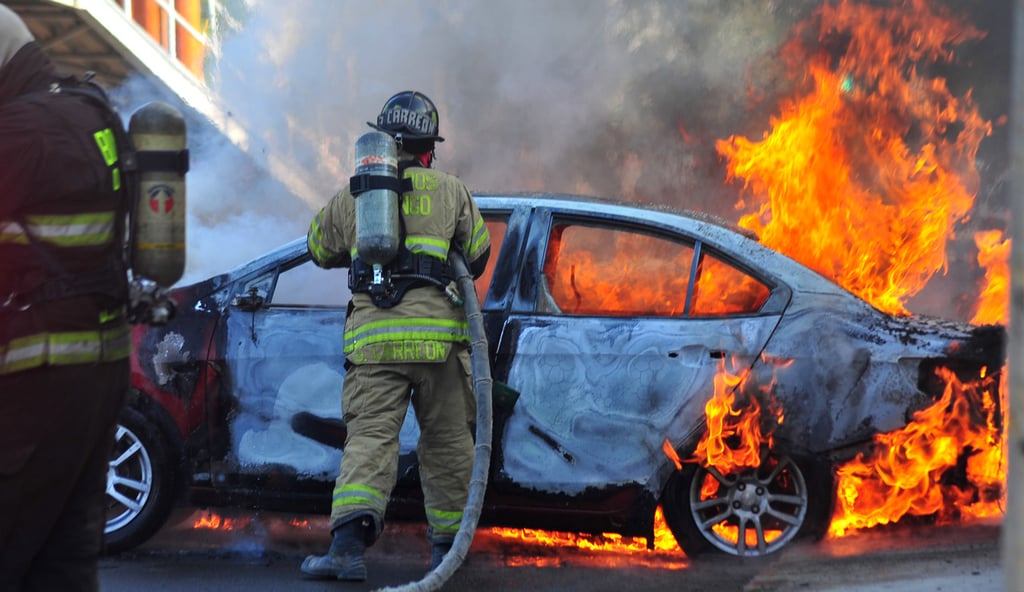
x=407 y=340
x=64 y=337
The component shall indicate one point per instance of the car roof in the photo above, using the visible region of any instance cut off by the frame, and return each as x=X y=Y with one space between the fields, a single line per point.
x=595 y=204
x=739 y=243
x=730 y=239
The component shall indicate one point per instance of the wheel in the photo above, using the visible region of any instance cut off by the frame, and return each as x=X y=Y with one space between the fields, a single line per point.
x=772 y=505
x=140 y=483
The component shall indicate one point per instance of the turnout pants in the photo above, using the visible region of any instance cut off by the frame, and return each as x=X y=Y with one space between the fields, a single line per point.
x=56 y=434
x=375 y=399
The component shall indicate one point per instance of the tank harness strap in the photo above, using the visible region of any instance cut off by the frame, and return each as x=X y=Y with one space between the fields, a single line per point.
x=173 y=161
x=409 y=270
x=388 y=284
x=358 y=184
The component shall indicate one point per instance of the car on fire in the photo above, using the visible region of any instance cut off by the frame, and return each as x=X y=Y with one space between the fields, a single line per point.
x=607 y=324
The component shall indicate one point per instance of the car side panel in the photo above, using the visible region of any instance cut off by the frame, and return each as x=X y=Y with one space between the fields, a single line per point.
x=599 y=396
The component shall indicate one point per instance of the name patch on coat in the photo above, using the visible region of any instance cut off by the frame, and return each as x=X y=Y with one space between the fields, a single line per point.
x=409 y=350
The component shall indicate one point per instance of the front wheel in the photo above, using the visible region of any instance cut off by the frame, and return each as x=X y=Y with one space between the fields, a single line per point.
x=751 y=513
x=140 y=483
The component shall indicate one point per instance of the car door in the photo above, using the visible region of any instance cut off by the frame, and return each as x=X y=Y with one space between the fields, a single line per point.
x=613 y=349
x=283 y=362
x=283 y=373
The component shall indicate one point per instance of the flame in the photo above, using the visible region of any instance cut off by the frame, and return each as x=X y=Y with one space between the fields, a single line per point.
x=872 y=143
x=994 y=256
x=671 y=453
x=211 y=521
x=611 y=546
x=735 y=438
x=949 y=461
x=596 y=271
x=864 y=176
x=910 y=469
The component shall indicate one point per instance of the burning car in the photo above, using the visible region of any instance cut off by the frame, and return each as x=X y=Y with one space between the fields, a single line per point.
x=612 y=328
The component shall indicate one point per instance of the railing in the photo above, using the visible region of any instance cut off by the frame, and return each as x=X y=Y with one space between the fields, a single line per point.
x=185 y=29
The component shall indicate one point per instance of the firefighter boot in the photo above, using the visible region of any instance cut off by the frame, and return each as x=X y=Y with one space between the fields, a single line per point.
x=344 y=560
x=437 y=552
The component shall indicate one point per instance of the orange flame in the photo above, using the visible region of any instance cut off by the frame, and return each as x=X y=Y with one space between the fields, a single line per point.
x=211 y=521
x=610 y=545
x=864 y=176
x=919 y=470
x=735 y=437
x=994 y=256
x=671 y=453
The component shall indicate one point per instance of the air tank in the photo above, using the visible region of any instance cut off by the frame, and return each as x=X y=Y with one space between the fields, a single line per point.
x=157 y=131
x=377 y=226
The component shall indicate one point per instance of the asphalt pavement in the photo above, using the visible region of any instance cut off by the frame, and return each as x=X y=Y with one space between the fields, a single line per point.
x=246 y=553
x=897 y=559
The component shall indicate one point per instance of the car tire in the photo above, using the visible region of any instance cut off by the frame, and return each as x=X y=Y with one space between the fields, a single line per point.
x=140 y=483
x=783 y=500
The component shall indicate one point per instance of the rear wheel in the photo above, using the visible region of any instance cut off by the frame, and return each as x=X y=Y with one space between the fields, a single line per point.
x=751 y=513
x=140 y=483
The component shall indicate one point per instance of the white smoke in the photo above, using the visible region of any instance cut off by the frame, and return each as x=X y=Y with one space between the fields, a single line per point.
x=571 y=95
x=614 y=98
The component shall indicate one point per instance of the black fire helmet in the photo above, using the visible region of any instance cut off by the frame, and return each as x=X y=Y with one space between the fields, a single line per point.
x=410 y=115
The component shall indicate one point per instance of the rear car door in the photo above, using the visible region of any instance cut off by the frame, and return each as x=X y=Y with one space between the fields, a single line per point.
x=615 y=333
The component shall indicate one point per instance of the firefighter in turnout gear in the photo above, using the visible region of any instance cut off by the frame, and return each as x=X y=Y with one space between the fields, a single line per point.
x=65 y=332
x=406 y=339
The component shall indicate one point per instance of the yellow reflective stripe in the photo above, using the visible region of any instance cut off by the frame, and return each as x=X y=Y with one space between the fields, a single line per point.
x=108 y=147
x=444 y=522
x=314 y=243
x=358 y=495
x=406 y=329
x=65 y=231
x=66 y=348
x=480 y=235
x=428 y=245
x=315 y=237
x=23 y=353
x=12 y=233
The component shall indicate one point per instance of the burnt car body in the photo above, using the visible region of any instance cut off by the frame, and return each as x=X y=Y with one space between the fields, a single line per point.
x=609 y=323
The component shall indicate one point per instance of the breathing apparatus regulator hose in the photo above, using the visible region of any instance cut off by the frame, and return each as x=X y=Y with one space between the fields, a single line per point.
x=482 y=385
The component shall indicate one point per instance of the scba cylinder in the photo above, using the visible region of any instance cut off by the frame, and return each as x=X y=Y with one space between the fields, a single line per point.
x=157 y=131
x=377 y=232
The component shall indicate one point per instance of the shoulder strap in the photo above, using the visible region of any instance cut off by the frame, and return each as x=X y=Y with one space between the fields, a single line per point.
x=85 y=87
x=66 y=284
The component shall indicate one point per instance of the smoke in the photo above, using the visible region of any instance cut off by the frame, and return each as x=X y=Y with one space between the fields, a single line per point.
x=616 y=98
x=236 y=209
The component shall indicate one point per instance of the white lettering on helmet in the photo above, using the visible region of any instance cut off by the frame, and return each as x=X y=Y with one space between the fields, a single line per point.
x=416 y=122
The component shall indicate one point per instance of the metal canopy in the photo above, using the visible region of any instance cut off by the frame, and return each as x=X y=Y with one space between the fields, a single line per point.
x=100 y=36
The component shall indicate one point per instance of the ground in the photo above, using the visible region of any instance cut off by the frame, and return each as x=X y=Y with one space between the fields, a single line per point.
x=263 y=552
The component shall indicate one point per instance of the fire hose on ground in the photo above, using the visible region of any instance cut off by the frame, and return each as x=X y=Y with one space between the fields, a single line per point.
x=482 y=385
